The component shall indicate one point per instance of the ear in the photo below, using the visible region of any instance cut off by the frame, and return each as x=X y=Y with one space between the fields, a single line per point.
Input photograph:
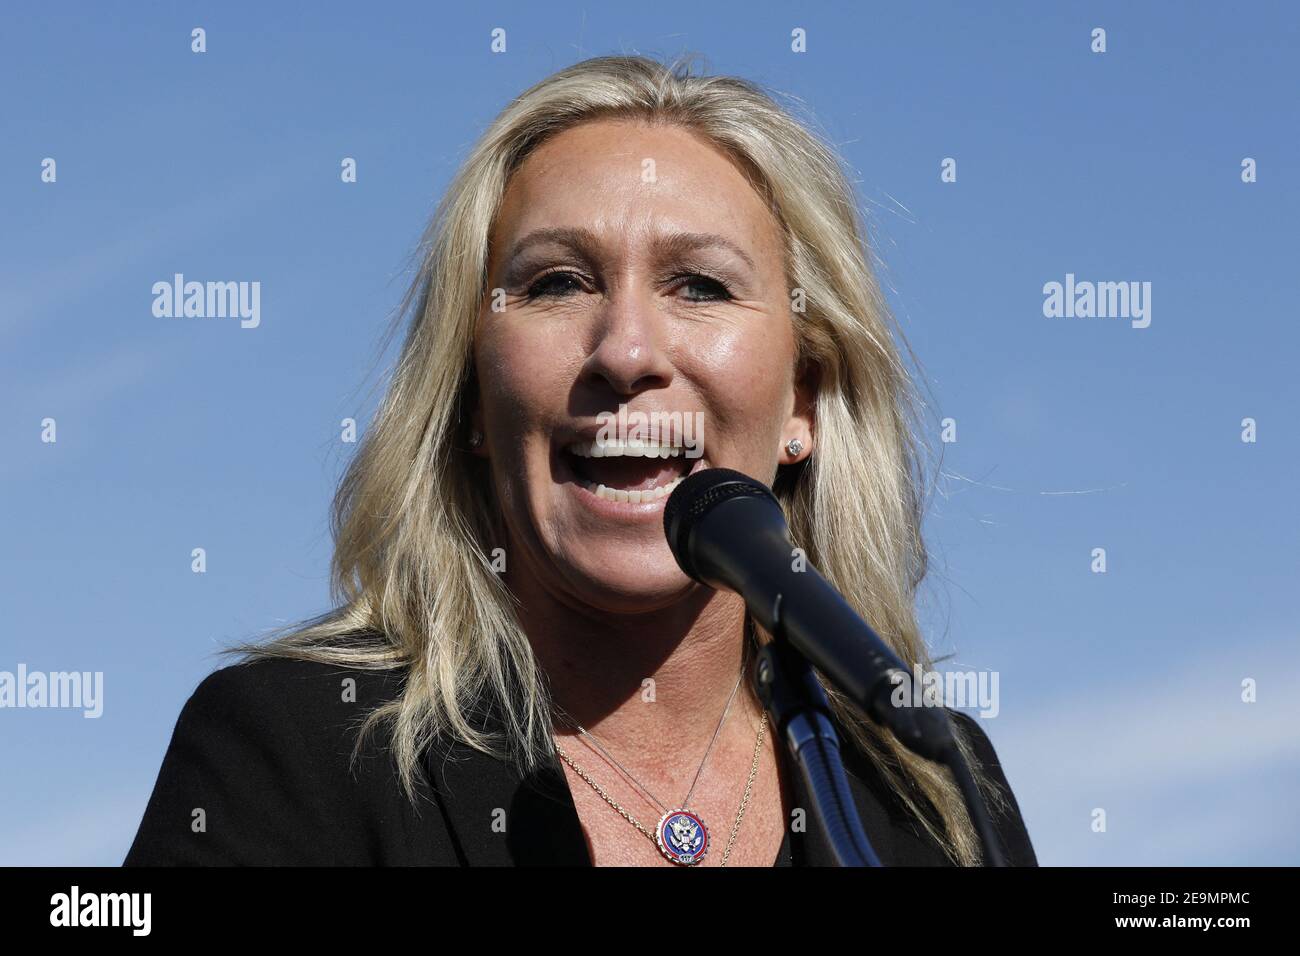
x=802 y=423
x=474 y=428
x=477 y=440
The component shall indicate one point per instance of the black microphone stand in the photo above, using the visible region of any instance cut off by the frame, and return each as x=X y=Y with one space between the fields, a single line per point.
x=801 y=714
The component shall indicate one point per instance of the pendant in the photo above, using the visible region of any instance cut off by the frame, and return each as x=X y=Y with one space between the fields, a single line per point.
x=682 y=837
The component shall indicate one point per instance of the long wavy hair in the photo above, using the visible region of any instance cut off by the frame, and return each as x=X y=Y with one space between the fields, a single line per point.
x=414 y=519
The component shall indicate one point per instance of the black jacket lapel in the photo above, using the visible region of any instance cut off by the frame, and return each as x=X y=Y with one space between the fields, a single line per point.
x=496 y=816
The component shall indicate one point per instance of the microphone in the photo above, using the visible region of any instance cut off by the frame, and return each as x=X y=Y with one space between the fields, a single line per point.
x=727 y=531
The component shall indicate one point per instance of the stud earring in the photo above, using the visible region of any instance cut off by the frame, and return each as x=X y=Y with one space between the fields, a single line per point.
x=794 y=446
x=475 y=438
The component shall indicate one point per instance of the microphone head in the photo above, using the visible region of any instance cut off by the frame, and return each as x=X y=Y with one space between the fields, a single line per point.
x=696 y=496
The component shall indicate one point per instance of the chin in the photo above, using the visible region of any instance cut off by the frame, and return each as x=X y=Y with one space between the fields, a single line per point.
x=627 y=584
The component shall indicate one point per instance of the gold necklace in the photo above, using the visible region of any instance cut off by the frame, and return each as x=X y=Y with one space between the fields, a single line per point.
x=680 y=836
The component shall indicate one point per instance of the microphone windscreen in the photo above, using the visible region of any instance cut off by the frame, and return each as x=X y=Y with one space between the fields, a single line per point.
x=696 y=496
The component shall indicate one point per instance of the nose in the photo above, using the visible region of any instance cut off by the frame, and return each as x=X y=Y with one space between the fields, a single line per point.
x=629 y=355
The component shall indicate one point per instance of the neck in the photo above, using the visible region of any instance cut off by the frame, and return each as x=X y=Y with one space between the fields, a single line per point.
x=649 y=686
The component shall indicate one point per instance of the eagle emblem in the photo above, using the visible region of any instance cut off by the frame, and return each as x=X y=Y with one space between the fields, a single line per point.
x=682 y=837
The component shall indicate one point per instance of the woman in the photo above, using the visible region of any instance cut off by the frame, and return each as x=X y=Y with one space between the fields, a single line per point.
x=518 y=671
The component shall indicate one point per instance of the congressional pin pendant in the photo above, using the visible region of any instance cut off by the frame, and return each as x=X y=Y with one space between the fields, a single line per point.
x=682 y=837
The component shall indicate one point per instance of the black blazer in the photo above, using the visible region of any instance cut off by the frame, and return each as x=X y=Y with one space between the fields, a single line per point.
x=262 y=750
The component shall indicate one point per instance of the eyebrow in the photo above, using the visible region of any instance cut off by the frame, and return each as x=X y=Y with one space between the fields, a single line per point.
x=584 y=242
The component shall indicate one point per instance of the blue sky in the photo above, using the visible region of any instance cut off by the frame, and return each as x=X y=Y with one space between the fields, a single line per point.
x=1118 y=691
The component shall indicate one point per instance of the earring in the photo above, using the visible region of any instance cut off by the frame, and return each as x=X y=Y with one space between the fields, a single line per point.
x=475 y=438
x=794 y=446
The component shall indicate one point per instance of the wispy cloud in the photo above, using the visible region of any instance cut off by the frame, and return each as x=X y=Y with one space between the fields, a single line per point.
x=77 y=273
x=1176 y=759
x=78 y=393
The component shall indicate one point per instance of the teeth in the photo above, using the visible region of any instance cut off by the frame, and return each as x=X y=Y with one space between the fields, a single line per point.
x=639 y=497
x=631 y=449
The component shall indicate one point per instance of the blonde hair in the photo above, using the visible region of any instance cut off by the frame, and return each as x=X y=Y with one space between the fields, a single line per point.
x=414 y=519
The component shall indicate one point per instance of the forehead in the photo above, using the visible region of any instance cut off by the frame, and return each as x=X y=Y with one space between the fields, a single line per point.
x=623 y=178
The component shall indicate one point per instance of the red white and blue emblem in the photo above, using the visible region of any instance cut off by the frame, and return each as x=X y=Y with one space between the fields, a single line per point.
x=682 y=837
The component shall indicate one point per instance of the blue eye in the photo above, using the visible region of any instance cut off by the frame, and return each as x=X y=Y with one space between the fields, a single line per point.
x=720 y=291
x=561 y=283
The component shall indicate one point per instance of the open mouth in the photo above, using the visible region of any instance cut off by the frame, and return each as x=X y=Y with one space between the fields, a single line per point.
x=629 y=472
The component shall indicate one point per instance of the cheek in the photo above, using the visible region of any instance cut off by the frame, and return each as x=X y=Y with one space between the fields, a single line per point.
x=520 y=378
x=747 y=374
x=512 y=394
